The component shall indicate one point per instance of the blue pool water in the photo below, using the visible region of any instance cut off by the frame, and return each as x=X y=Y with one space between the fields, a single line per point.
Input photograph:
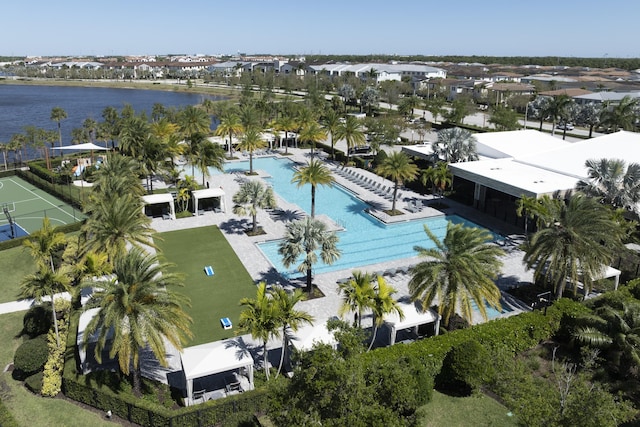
x=365 y=240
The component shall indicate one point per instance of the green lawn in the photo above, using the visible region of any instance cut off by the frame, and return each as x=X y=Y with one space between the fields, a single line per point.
x=211 y=297
x=27 y=408
x=15 y=263
x=447 y=411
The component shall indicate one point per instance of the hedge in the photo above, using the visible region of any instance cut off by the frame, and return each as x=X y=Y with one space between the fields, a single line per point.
x=55 y=190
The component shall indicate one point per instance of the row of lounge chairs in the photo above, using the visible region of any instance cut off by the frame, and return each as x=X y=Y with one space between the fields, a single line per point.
x=389 y=272
x=415 y=206
x=385 y=191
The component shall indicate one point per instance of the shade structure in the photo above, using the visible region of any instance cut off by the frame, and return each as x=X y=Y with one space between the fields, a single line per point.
x=309 y=335
x=89 y=146
x=161 y=198
x=414 y=316
x=208 y=193
x=214 y=358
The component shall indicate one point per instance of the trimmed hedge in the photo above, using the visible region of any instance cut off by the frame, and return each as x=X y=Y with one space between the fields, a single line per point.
x=31 y=356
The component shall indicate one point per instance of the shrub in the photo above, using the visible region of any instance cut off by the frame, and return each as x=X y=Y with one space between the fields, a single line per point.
x=37 y=321
x=31 y=356
x=465 y=368
x=34 y=382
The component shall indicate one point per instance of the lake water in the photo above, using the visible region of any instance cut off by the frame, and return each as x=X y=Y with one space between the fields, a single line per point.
x=22 y=105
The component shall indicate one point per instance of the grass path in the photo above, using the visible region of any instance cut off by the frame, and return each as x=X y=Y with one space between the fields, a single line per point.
x=472 y=411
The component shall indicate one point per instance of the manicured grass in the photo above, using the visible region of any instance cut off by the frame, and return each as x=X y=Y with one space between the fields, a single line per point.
x=15 y=264
x=212 y=297
x=27 y=408
x=470 y=411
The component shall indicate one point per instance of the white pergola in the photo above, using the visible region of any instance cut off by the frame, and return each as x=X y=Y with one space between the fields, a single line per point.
x=309 y=335
x=414 y=316
x=208 y=193
x=161 y=198
x=215 y=358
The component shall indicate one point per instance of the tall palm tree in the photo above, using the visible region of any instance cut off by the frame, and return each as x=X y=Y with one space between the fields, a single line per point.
x=209 y=155
x=133 y=134
x=46 y=283
x=312 y=133
x=621 y=116
x=230 y=126
x=383 y=303
x=528 y=207
x=613 y=182
x=251 y=196
x=357 y=296
x=111 y=123
x=285 y=123
x=457 y=272
x=439 y=176
x=57 y=115
x=5 y=148
x=308 y=238
x=250 y=117
x=455 y=145
x=331 y=123
x=576 y=241
x=139 y=308
x=314 y=173
x=260 y=319
x=289 y=318
x=558 y=108
x=18 y=141
x=351 y=131
x=193 y=120
x=116 y=222
x=117 y=175
x=398 y=167
x=251 y=141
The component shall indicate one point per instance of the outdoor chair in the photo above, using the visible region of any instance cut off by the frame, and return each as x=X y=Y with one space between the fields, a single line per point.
x=198 y=396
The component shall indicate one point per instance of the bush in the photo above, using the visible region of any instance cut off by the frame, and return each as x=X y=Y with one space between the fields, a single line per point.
x=34 y=382
x=31 y=356
x=465 y=368
x=37 y=321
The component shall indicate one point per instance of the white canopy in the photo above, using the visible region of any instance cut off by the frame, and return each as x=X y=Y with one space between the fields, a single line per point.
x=160 y=198
x=82 y=147
x=309 y=335
x=208 y=193
x=413 y=317
x=213 y=358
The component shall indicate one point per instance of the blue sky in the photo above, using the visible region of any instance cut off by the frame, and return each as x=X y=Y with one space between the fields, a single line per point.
x=492 y=27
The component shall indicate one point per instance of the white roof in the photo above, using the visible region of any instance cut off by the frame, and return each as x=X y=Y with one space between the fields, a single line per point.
x=308 y=335
x=517 y=143
x=152 y=199
x=215 y=357
x=84 y=147
x=207 y=193
x=85 y=318
x=413 y=316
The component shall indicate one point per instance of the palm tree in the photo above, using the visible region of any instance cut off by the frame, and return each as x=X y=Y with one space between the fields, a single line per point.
x=308 y=238
x=455 y=145
x=591 y=115
x=138 y=309
x=231 y=126
x=558 y=108
x=314 y=173
x=44 y=243
x=382 y=304
x=331 y=123
x=439 y=176
x=621 y=116
x=398 y=167
x=357 y=296
x=192 y=121
x=251 y=196
x=115 y=223
x=260 y=319
x=285 y=123
x=312 y=133
x=576 y=241
x=528 y=207
x=209 y=155
x=458 y=272
x=252 y=141
x=369 y=99
x=613 y=182
x=117 y=175
x=5 y=148
x=289 y=318
x=46 y=283
x=616 y=330
x=351 y=131
x=57 y=115
x=133 y=135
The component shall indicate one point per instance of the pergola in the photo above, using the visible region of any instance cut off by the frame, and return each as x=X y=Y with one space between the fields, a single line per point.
x=161 y=198
x=215 y=358
x=414 y=316
x=208 y=193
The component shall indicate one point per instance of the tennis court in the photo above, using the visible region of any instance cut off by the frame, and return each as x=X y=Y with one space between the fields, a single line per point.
x=27 y=205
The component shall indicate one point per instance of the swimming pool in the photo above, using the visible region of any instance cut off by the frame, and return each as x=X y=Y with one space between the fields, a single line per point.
x=364 y=241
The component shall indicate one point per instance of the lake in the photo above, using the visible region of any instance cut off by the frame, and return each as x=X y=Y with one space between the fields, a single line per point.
x=24 y=105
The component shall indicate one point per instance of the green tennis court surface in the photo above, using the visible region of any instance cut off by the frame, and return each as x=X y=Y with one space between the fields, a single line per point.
x=27 y=205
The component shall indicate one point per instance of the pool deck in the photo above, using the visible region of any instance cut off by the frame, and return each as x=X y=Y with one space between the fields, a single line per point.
x=274 y=223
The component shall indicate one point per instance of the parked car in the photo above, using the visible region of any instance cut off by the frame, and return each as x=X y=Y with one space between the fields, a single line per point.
x=565 y=126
